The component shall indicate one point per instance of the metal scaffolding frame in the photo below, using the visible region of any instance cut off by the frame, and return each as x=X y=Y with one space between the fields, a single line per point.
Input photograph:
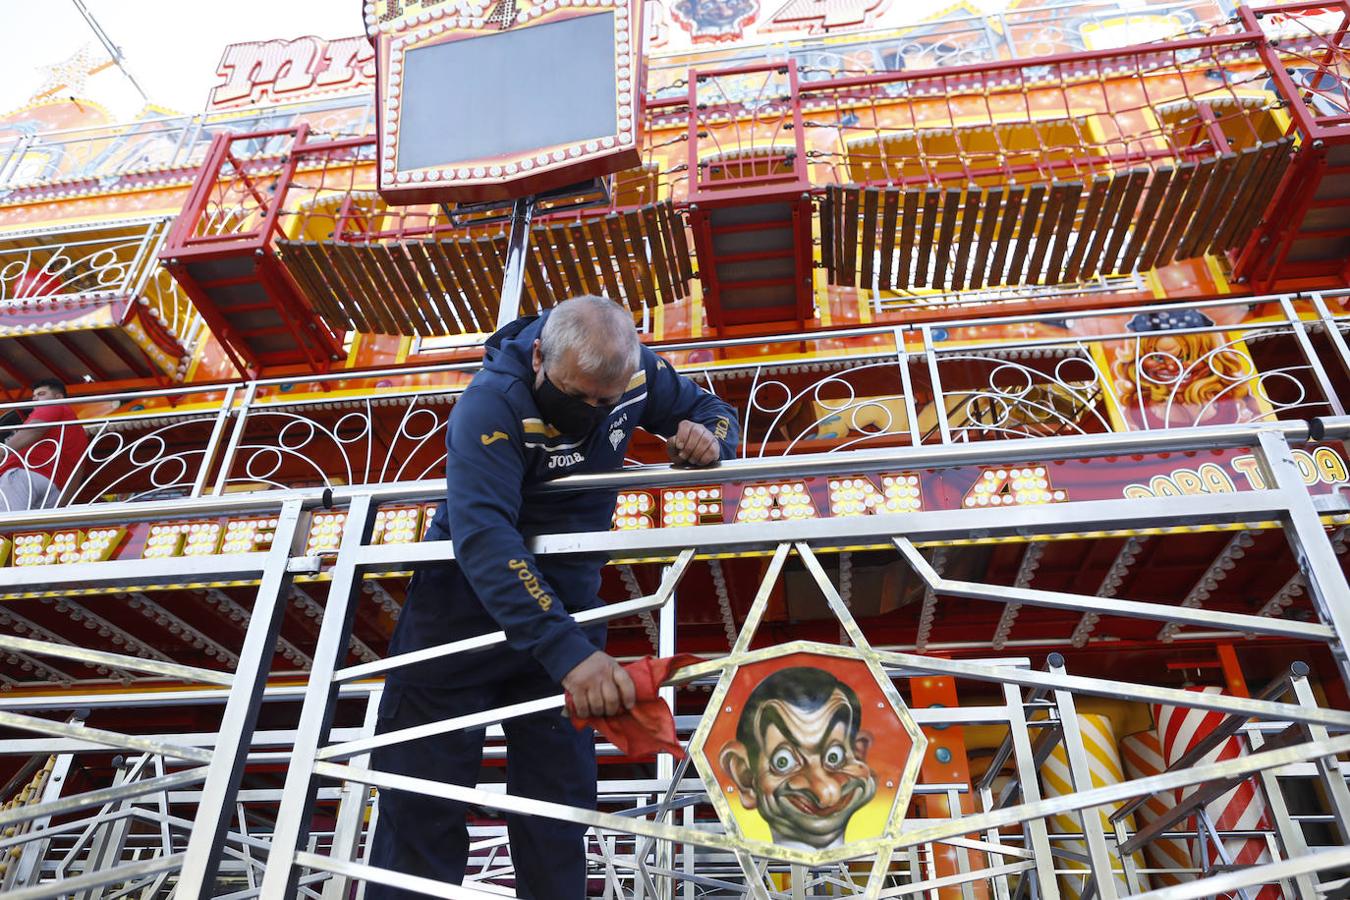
x=200 y=813
x=657 y=846
x=941 y=387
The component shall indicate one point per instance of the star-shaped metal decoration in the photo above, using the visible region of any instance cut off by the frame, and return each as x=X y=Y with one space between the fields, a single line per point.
x=808 y=753
x=72 y=74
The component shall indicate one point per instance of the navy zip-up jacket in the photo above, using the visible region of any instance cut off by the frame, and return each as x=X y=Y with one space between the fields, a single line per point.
x=498 y=448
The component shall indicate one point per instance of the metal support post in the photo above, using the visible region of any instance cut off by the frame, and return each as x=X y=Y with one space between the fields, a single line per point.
x=913 y=865
x=1332 y=330
x=1316 y=558
x=1099 y=856
x=665 y=765
x=1288 y=832
x=962 y=854
x=162 y=806
x=907 y=388
x=687 y=857
x=365 y=853
x=1027 y=776
x=1310 y=356
x=351 y=810
x=513 y=268
x=105 y=851
x=249 y=864
x=1133 y=879
x=985 y=796
x=141 y=268
x=213 y=442
x=316 y=716
x=1205 y=826
x=1328 y=767
x=236 y=436
x=216 y=809
x=30 y=863
x=14 y=158
x=929 y=872
x=754 y=875
x=187 y=138
x=935 y=380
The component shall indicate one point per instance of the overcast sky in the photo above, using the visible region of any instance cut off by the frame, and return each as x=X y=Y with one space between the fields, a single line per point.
x=171 y=48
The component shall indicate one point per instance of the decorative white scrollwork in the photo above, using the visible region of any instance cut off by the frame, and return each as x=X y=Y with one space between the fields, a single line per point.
x=48 y=277
x=1180 y=379
x=125 y=461
x=1018 y=400
x=343 y=442
x=78 y=264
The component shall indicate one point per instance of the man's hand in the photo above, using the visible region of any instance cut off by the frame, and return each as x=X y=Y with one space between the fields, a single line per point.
x=599 y=686
x=693 y=445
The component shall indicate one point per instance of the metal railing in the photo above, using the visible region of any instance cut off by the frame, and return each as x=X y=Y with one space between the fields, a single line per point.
x=1137 y=368
x=643 y=836
x=109 y=152
x=46 y=273
x=1042 y=30
x=106 y=153
x=103 y=154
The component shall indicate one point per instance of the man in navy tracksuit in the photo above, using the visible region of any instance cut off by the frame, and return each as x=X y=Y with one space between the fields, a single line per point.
x=559 y=394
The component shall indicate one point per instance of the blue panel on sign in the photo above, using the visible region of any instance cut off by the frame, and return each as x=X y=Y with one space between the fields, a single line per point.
x=508 y=93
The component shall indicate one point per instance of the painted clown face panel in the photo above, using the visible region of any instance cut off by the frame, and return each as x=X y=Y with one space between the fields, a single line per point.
x=808 y=752
x=800 y=757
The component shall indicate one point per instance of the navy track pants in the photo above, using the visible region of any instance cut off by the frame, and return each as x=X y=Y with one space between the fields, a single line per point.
x=547 y=759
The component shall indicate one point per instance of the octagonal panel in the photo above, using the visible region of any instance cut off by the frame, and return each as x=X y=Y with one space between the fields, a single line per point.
x=808 y=753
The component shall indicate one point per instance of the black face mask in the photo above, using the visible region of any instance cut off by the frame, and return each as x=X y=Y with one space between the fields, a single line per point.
x=566 y=413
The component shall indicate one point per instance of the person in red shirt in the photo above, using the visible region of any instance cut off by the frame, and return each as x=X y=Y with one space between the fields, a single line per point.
x=36 y=464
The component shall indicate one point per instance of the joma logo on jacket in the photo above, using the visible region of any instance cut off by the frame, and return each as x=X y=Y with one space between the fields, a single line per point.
x=530 y=581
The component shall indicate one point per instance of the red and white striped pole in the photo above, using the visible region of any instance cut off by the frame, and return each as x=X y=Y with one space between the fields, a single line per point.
x=1241 y=809
x=1142 y=756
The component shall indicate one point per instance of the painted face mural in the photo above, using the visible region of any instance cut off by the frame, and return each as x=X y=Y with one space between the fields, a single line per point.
x=808 y=752
x=1168 y=377
x=715 y=19
x=800 y=757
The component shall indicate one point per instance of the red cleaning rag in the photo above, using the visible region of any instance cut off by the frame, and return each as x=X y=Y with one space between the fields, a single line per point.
x=649 y=727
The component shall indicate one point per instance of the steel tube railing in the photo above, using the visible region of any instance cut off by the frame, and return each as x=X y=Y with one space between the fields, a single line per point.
x=808 y=465
x=218 y=434
x=309 y=764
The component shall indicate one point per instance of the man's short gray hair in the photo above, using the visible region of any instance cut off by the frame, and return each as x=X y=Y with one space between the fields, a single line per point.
x=597 y=334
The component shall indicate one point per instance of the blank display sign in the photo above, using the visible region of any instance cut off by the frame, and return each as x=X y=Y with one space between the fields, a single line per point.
x=508 y=93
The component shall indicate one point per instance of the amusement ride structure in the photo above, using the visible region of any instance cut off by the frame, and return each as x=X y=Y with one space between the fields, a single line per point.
x=1036 y=326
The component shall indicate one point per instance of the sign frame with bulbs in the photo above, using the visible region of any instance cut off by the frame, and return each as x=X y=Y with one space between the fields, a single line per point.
x=422 y=120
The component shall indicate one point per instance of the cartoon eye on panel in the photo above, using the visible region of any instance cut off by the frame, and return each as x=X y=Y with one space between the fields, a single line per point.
x=809 y=752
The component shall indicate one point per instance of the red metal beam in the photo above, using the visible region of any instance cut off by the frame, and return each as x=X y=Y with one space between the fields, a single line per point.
x=1302 y=116
x=44 y=360
x=141 y=367
x=70 y=347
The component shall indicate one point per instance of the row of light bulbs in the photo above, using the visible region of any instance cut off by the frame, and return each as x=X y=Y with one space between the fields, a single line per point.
x=67 y=546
